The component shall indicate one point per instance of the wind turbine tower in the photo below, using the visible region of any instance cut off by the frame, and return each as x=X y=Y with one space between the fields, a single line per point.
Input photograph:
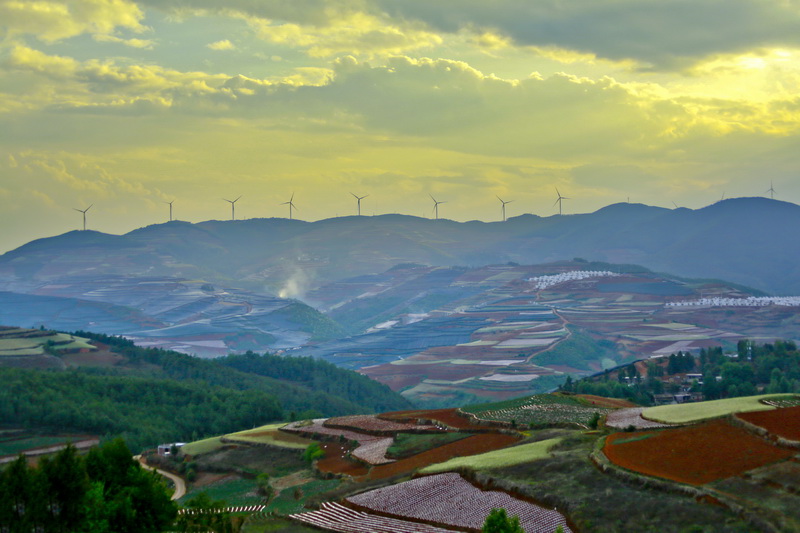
x=504 y=202
x=84 y=214
x=233 y=206
x=436 y=206
x=771 y=191
x=359 y=198
x=558 y=201
x=170 y=209
x=291 y=205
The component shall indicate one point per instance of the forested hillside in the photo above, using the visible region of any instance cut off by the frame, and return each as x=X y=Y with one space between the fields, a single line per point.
x=158 y=395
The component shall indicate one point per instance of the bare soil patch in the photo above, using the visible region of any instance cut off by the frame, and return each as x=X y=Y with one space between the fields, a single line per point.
x=695 y=455
x=607 y=402
x=779 y=422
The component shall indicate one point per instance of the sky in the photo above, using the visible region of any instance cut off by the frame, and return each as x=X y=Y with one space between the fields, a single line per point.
x=126 y=105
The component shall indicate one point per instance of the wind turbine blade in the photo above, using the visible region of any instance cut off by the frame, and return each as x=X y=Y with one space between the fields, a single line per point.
x=88 y=208
x=78 y=210
x=554 y=203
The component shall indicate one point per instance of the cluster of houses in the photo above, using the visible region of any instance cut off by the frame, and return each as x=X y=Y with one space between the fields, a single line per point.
x=544 y=282
x=750 y=301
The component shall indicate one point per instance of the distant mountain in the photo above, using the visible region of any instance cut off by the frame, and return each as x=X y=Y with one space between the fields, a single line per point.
x=752 y=241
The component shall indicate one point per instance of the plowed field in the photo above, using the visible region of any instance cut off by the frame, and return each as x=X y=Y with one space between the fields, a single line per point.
x=448 y=417
x=606 y=402
x=780 y=422
x=696 y=454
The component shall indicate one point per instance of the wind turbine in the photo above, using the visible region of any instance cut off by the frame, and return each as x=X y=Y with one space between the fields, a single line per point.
x=290 y=203
x=436 y=205
x=359 y=198
x=558 y=201
x=504 y=202
x=233 y=206
x=170 y=209
x=771 y=191
x=84 y=214
x=676 y=205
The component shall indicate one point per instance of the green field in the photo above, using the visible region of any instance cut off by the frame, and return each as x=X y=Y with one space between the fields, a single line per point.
x=233 y=492
x=267 y=435
x=287 y=502
x=514 y=455
x=202 y=446
x=17 y=445
x=694 y=412
x=30 y=342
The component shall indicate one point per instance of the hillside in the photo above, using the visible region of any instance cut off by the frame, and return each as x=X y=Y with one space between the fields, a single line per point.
x=152 y=395
x=449 y=336
x=550 y=459
x=190 y=316
x=290 y=257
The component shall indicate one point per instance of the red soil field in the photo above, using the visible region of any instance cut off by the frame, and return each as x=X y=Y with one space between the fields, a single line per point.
x=607 y=402
x=695 y=454
x=448 y=417
x=476 y=444
x=780 y=422
x=335 y=460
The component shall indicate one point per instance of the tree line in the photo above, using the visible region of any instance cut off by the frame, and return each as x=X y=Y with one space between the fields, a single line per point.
x=752 y=369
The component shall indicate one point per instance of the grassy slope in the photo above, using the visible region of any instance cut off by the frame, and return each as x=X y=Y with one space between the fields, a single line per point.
x=514 y=455
x=694 y=412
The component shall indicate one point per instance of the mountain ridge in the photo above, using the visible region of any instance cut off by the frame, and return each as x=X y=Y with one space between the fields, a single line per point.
x=744 y=240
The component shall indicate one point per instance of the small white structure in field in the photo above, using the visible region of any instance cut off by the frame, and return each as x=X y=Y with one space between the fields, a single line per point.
x=165 y=450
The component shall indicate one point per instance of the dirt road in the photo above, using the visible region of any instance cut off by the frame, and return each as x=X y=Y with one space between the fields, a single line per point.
x=180 y=485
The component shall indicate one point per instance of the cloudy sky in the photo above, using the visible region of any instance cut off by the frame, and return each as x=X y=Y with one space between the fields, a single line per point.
x=126 y=105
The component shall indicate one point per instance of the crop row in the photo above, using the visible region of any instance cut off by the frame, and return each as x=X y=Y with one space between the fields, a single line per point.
x=337 y=517
x=544 y=414
x=450 y=500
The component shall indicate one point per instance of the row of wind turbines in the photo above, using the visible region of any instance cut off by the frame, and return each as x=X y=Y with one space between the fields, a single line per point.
x=559 y=200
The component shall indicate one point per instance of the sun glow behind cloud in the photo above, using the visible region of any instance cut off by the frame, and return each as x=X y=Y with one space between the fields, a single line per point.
x=127 y=105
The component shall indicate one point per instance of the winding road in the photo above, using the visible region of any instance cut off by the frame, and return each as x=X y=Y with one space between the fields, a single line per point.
x=180 y=485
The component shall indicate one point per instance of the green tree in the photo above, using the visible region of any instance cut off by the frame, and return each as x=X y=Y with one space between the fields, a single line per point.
x=65 y=485
x=498 y=522
x=313 y=452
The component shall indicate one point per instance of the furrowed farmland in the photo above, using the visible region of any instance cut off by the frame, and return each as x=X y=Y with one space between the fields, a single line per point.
x=451 y=467
x=450 y=500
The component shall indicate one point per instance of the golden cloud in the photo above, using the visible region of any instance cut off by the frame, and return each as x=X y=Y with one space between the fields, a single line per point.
x=221 y=45
x=54 y=20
